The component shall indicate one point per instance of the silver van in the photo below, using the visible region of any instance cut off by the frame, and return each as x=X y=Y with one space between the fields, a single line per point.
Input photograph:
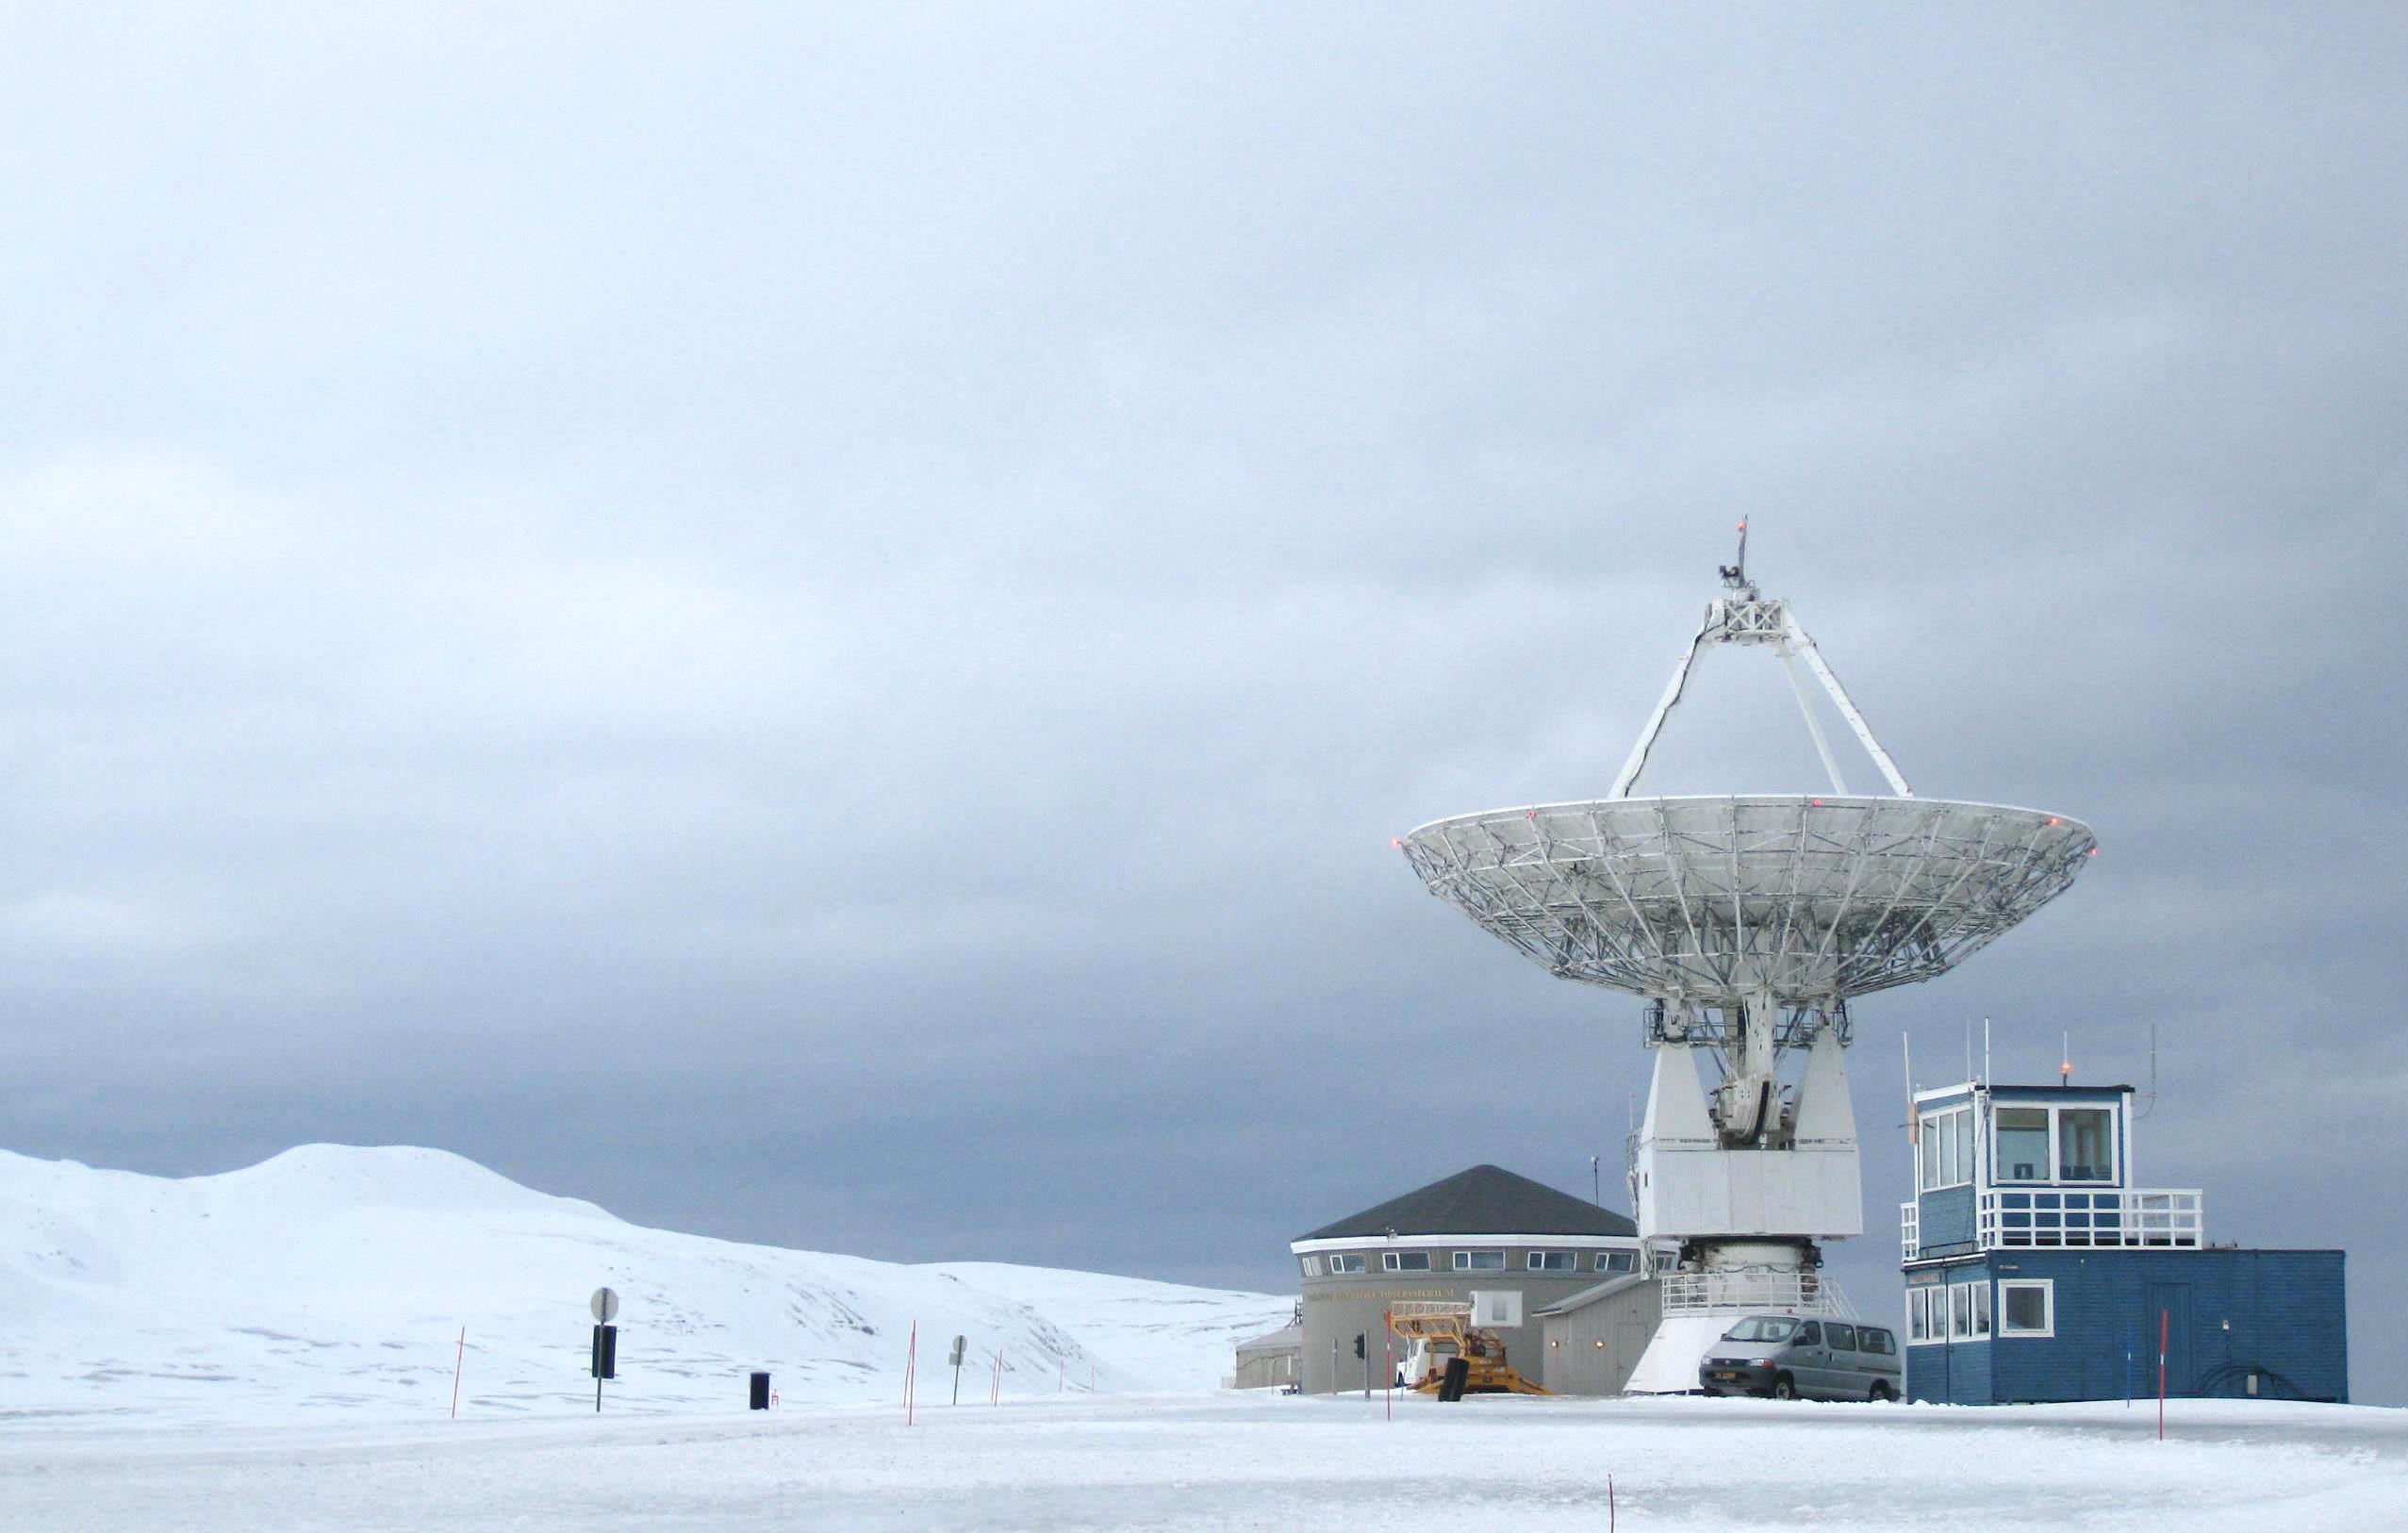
x=1792 y=1355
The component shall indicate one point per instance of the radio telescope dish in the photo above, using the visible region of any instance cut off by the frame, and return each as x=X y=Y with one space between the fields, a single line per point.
x=1757 y=903
x=1713 y=901
x=1748 y=922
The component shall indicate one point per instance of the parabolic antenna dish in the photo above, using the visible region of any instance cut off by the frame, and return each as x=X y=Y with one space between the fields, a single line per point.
x=1713 y=900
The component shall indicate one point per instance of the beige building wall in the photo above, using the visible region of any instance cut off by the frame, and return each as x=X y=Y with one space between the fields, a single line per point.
x=1266 y=1370
x=1593 y=1349
x=1335 y=1308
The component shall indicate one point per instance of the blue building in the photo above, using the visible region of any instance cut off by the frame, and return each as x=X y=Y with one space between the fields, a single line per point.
x=2038 y=1268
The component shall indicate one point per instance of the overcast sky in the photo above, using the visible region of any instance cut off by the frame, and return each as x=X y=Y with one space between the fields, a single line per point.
x=813 y=624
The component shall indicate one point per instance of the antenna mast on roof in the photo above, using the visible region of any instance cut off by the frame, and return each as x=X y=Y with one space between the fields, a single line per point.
x=1734 y=575
x=2150 y=1100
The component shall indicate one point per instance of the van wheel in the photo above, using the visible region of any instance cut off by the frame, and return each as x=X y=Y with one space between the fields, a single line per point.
x=1881 y=1393
x=1785 y=1388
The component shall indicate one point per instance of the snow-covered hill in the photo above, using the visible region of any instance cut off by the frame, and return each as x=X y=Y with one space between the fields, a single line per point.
x=339 y=1279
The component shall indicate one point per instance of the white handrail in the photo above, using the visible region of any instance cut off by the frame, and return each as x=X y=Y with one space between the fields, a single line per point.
x=2067 y=1217
x=1740 y=1293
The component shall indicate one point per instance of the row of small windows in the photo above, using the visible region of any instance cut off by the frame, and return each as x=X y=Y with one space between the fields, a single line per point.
x=2084 y=1139
x=1346 y=1263
x=1961 y=1311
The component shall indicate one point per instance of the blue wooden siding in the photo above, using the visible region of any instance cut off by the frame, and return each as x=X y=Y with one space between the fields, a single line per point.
x=1945 y=1372
x=2279 y=1313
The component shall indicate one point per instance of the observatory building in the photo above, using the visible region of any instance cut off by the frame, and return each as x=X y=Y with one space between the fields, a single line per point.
x=1746 y=925
x=2038 y=1268
x=1539 y=1267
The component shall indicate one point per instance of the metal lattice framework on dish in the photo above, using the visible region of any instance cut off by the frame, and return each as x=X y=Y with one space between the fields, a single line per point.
x=1715 y=900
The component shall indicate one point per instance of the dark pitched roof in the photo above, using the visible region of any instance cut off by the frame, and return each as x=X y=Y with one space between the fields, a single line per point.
x=1485 y=1200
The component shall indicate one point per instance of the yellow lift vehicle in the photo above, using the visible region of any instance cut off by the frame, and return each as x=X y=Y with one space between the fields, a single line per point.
x=1441 y=1333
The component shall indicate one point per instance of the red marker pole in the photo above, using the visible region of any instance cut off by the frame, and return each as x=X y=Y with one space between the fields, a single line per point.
x=458 y=1357
x=2161 y=1372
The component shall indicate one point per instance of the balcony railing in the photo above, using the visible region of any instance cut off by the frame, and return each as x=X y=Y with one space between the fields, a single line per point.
x=2062 y=1217
x=1718 y=1292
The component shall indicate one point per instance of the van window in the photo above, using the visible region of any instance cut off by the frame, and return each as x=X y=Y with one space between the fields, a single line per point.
x=1873 y=1339
x=1811 y=1334
x=1843 y=1338
x=1762 y=1329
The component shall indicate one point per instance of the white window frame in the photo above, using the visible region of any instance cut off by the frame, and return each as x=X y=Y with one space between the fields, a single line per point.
x=1395 y=1262
x=1338 y=1268
x=1944 y=1149
x=1535 y=1262
x=1960 y=1317
x=1606 y=1261
x=2115 y=1148
x=1981 y=1309
x=1463 y=1261
x=2047 y=1288
x=1918 y=1314
x=2001 y=1165
x=2050 y=1172
x=1312 y=1266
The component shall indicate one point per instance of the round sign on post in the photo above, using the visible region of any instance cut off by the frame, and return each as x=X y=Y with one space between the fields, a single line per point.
x=604 y=1305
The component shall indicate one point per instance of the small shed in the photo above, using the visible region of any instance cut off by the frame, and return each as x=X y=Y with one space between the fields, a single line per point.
x=1271 y=1361
x=1593 y=1339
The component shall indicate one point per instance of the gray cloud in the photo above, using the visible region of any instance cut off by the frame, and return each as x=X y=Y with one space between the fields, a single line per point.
x=814 y=626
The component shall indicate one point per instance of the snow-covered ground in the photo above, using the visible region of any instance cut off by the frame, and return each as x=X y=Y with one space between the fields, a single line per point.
x=1208 y=1462
x=332 y=1280
x=272 y=1349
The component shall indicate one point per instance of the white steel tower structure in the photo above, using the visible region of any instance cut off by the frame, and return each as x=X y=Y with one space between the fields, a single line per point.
x=1748 y=923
